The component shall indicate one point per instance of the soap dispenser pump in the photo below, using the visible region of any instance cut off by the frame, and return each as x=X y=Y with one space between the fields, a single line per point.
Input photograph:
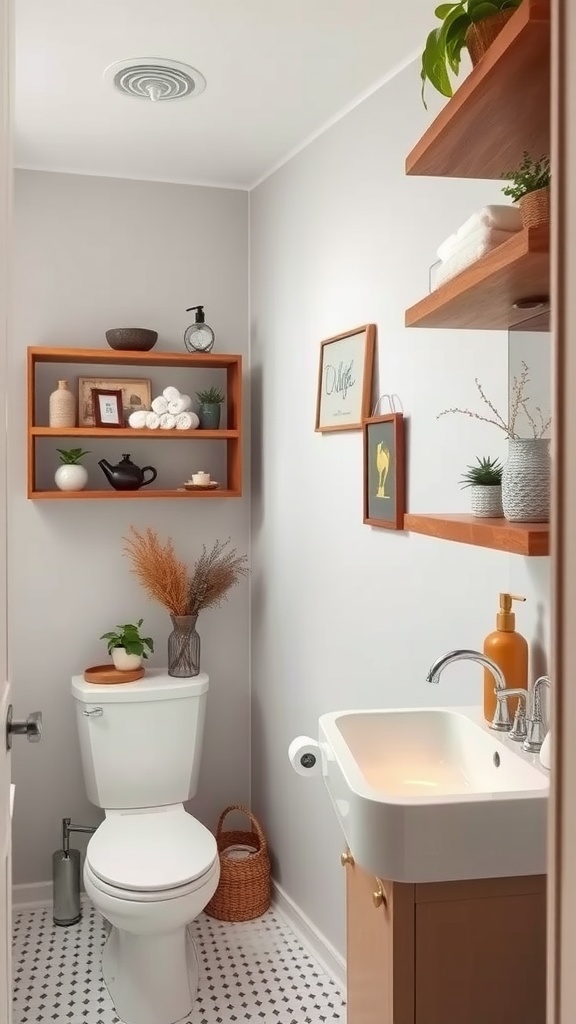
x=198 y=337
x=510 y=652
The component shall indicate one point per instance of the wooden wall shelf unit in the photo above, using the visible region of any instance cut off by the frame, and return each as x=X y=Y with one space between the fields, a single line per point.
x=482 y=297
x=517 y=538
x=232 y=436
x=500 y=110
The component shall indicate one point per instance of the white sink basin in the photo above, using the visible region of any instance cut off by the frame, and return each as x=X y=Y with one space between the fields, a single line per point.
x=432 y=794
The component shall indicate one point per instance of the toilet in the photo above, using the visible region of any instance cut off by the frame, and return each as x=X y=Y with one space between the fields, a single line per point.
x=150 y=867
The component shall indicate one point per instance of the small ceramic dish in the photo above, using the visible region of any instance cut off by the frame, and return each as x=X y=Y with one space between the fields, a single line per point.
x=190 y=486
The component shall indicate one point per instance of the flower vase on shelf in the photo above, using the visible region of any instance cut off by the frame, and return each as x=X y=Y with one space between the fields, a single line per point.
x=526 y=481
x=183 y=647
x=62 y=406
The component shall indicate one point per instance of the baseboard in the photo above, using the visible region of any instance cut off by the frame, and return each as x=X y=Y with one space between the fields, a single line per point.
x=326 y=955
x=35 y=896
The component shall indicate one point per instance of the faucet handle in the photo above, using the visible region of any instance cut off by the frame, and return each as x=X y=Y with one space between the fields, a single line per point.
x=536 y=728
x=518 y=732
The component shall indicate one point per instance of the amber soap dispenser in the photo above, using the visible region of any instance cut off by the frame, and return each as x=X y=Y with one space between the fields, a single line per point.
x=509 y=650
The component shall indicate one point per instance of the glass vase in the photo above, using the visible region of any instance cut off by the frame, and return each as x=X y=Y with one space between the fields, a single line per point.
x=183 y=647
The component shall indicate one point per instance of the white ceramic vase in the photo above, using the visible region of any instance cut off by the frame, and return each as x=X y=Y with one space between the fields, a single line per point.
x=125 y=662
x=526 y=481
x=71 y=477
x=486 y=502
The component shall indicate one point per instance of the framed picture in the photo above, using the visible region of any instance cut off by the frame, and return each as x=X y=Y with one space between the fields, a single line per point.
x=136 y=394
x=107 y=408
x=384 y=471
x=345 y=380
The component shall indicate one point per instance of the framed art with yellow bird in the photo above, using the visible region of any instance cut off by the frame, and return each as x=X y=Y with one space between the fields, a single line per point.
x=384 y=471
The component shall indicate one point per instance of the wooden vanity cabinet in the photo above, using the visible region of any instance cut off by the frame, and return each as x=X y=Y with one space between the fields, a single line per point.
x=469 y=952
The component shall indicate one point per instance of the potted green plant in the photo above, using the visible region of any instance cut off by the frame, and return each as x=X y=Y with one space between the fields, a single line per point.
x=209 y=408
x=485 y=483
x=473 y=24
x=71 y=475
x=530 y=188
x=127 y=647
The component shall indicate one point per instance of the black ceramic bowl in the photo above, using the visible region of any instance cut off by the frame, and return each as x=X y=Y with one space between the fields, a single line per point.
x=131 y=339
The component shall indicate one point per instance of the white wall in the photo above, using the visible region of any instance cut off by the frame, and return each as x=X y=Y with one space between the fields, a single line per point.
x=347 y=616
x=93 y=253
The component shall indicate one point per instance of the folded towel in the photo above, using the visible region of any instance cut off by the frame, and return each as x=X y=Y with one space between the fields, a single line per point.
x=171 y=394
x=160 y=405
x=490 y=236
x=500 y=218
x=177 y=406
x=152 y=421
x=167 y=422
x=468 y=252
x=187 y=421
x=137 y=419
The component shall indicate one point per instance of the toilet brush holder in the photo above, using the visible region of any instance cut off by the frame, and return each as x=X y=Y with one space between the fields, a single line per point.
x=66 y=877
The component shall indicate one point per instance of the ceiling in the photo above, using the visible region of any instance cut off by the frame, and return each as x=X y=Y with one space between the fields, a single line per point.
x=278 y=71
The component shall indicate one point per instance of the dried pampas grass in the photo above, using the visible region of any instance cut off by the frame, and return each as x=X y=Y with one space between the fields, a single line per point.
x=168 y=580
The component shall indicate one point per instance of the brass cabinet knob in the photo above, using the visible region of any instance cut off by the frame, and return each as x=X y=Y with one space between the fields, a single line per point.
x=379 y=897
x=346 y=858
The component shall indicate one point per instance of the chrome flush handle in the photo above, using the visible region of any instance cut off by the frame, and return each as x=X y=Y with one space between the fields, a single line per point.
x=94 y=713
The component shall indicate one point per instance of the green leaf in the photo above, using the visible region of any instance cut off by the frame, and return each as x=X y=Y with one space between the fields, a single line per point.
x=133 y=647
x=434 y=63
x=481 y=11
x=444 y=10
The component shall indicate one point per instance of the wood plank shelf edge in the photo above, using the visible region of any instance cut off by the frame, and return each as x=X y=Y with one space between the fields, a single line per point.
x=530 y=539
x=131 y=495
x=125 y=432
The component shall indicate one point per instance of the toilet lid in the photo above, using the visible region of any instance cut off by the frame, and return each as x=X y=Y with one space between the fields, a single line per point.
x=149 y=851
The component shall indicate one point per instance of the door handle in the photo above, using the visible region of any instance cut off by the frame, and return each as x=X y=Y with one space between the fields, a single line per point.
x=30 y=727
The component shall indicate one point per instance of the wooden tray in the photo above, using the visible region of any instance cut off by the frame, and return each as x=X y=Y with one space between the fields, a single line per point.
x=107 y=674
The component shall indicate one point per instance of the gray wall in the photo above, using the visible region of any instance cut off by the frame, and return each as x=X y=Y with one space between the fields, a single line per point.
x=345 y=616
x=92 y=253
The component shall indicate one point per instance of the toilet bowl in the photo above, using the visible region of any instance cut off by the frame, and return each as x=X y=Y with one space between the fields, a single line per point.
x=150 y=867
x=150 y=873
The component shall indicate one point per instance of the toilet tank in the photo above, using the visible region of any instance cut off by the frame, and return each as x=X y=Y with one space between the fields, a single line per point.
x=141 y=742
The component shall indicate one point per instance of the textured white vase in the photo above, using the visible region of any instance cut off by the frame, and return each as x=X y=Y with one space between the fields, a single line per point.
x=526 y=481
x=62 y=406
x=125 y=662
x=71 y=477
x=486 y=502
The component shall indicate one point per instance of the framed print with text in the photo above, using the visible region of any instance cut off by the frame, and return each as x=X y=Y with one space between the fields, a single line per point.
x=345 y=380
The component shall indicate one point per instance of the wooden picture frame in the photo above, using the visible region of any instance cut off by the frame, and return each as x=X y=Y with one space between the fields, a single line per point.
x=136 y=395
x=108 y=408
x=345 y=380
x=384 y=471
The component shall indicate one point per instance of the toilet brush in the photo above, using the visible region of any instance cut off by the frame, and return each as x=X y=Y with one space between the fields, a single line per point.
x=66 y=877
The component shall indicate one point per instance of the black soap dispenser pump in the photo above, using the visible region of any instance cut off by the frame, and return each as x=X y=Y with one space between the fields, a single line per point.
x=198 y=337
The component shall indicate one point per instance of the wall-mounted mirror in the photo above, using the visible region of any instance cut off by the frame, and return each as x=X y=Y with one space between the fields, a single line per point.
x=530 y=376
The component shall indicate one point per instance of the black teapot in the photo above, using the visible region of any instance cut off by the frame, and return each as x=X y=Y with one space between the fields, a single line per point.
x=126 y=476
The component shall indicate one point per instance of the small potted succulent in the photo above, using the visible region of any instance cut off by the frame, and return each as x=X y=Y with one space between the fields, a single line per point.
x=209 y=408
x=473 y=24
x=530 y=188
x=71 y=475
x=127 y=647
x=485 y=483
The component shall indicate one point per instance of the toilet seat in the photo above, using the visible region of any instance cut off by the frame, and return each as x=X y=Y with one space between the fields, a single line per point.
x=152 y=854
x=133 y=896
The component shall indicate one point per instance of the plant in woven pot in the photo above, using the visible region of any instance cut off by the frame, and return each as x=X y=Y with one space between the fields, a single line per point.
x=530 y=188
x=485 y=483
x=526 y=473
x=473 y=24
x=183 y=591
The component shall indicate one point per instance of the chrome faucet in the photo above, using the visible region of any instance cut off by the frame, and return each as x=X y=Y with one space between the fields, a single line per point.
x=501 y=721
x=536 y=728
x=518 y=732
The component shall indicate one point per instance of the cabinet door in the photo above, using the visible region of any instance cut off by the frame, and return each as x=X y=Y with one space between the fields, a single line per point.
x=369 y=935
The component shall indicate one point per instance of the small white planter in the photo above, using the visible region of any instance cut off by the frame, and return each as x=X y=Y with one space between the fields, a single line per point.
x=486 y=502
x=71 y=478
x=125 y=662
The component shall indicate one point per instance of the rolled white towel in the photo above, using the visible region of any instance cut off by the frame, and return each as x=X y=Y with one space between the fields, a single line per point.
x=188 y=402
x=152 y=421
x=177 y=406
x=167 y=421
x=171 y=394
x=160 y=405
x=187 y=421
x=137 y=419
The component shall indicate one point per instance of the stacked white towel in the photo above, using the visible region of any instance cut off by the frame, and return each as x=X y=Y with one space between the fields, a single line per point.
x=167 y=422
x=170 y=411
x=152 y=421
x=187 y=421
x=160 y=405
x=179 y=405
x=171 y=394
x=138 y=419
x=481 y=233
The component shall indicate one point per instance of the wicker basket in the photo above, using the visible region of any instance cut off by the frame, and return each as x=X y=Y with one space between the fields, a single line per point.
x=244 y=888
x=535 y=208
x=482 y=34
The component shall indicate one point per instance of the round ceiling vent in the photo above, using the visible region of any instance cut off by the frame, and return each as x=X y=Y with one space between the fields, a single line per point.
x=155 y=79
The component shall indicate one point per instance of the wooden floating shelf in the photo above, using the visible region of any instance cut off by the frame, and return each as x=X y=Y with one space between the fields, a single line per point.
x=128 y=432
x=132 y=495
x=517 y=538
x=482 y=297
x=500 y=110
x=109 y=357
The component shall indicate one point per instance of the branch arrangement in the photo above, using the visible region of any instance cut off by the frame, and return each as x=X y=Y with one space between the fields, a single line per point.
x=519 y=401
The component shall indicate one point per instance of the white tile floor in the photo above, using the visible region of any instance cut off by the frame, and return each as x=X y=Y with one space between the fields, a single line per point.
x=255 y=971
